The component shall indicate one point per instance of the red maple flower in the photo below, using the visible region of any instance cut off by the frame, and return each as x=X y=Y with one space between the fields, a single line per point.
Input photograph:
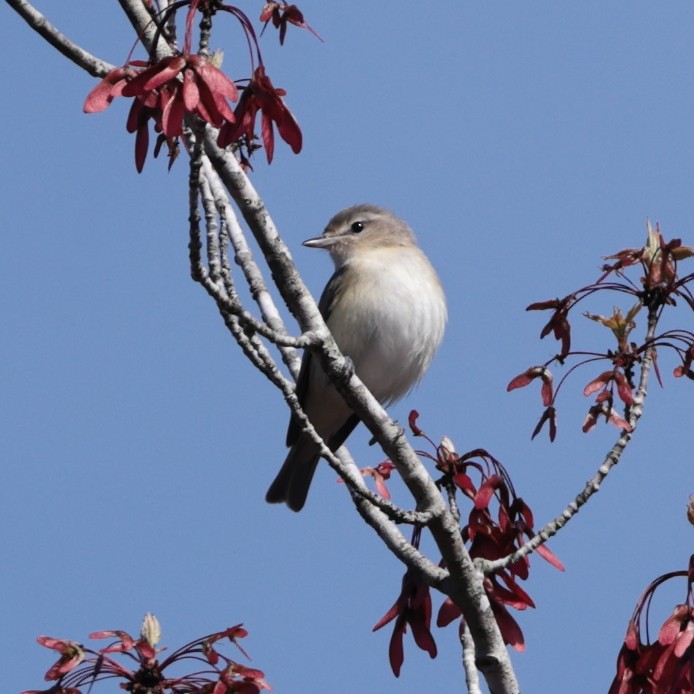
x=412 y=607
x=605 y=410
x=665 y=665
x=165 y=92
x=602 y=382
x=110 y=87
x=71 y=655
x=201 y=89
x=530 y=375
x=143 y=672
x=559 y=323
x=281 y=14
x=261 y=95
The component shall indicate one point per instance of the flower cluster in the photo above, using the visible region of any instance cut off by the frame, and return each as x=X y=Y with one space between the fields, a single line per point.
x=412 y=607
x=498 y=524
x=281 y=14
x=186 y=84
x=78 y=668
x=660 y=285
x=665 y=665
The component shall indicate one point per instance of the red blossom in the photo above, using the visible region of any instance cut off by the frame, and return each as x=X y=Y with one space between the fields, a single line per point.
x=203 y=91
x=549 y=415
x=81 y=667
x=281 y=14
x=71 y=655
x=659 y=259
x=604 y=379
x=509 y=628
x=412 y=607
x=606 y=410
x=232 y=633
x=125 y=643
x=665 y=665
x=558 y=323
x=261 y=95
x=165 y=92
x=110 y=87
x=530 y=375
x=498 y=524
x=241 y=680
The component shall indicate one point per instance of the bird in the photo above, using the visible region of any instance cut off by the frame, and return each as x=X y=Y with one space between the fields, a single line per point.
x=386 y=310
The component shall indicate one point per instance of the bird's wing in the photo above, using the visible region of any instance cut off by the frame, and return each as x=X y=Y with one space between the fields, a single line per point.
x=325 y=306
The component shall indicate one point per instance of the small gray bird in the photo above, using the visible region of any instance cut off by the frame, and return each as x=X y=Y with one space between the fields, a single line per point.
x=386 y=310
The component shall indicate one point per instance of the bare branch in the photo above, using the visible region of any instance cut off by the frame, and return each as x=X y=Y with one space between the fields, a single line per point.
x=145 y=28
x=251 y=271
x=93 y=65
x=471 y=677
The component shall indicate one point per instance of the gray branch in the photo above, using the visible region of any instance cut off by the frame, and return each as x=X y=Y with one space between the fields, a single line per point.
x=93 y=65
x=593 y=485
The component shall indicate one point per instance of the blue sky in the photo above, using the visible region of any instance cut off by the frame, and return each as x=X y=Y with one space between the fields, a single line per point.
x=523 y=142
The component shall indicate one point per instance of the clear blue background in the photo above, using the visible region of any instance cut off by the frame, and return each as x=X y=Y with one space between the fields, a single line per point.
x=523 y=142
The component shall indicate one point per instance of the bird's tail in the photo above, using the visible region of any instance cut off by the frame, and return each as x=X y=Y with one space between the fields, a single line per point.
x=294 y=478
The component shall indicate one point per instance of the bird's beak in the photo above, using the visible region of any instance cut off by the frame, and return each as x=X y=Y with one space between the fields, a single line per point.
x=320 y=242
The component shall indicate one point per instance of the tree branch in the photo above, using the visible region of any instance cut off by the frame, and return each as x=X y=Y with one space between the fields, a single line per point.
x=471 y=677
x=593 y=485
x=93 y=65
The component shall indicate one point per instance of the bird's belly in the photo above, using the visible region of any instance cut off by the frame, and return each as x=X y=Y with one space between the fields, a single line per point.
x=392 y=331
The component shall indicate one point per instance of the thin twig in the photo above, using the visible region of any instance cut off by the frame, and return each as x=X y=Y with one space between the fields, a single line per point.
x=93 y=65
x=244 y=258
x=593 y=485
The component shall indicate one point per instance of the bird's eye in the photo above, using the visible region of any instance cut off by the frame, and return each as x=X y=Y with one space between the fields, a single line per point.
x=357 y=227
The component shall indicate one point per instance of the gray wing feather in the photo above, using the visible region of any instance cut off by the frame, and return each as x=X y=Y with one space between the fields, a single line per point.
x=325 y=306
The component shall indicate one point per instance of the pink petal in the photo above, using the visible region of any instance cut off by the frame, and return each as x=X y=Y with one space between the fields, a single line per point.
x=486 y=491
x=550 y=557
x=619 y=421
x=268 y=136
x=191 y=93
x=102 y=95
x=217 y=81
x=624 y=389
x=396 y=654
x=598 y=383
x=510 y=631
x=381 y=487
x=447 y=613
x=153 y=77
x=216 y=109
x=172 y=115
x=290 y=131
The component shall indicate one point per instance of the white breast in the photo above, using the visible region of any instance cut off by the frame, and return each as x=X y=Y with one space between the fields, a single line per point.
x=390 y=320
